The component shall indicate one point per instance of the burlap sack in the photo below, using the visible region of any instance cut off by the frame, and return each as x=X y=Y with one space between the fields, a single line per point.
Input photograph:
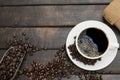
x=112 y=13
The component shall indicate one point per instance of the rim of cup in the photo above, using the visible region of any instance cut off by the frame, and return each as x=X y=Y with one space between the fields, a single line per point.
x=96 y=57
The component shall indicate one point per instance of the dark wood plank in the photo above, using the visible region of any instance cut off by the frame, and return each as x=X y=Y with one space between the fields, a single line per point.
x=49 y=15
x=34 y=2
x=47 y=55
x=1 y=53
x=111 y=77
x=41 y=37
x=104 y=77
x=51 y=37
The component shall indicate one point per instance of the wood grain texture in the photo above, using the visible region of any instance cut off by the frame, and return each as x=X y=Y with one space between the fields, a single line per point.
x=105 y=77
x=45 y=56
x=50 y=37
x=1 y=53
x=49 y=15
x=41 y=37
x=34 y=2
x=111 y=77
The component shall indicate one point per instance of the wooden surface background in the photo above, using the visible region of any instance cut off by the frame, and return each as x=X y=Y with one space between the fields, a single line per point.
x=47 y=24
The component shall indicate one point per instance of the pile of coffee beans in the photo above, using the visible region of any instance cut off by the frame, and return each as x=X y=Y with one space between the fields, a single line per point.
x=60 y=67
x=76 y=55
x=14 y=57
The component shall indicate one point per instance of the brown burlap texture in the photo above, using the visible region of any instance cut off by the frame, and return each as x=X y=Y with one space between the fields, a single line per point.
x=112 y=13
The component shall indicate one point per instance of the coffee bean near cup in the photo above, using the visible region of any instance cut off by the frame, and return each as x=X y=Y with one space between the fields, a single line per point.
x=93 y=42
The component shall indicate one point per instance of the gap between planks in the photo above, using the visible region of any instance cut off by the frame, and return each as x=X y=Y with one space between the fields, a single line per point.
x=54 y=4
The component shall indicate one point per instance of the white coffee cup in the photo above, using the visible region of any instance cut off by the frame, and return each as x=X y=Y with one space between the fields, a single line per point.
x=110 y=35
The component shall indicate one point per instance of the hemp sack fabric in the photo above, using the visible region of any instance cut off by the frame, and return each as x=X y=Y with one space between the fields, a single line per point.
x=112 y=13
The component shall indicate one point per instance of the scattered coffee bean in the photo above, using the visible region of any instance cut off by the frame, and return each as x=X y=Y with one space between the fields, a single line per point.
x=24 y=34
x=59 y=68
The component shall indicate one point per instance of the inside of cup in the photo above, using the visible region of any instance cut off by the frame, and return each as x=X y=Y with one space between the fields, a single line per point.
x=92 y=42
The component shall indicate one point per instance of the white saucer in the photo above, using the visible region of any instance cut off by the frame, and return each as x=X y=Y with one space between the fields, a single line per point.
x=105 y=60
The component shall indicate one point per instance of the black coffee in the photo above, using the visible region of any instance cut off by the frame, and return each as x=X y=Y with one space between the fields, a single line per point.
x=92 y=42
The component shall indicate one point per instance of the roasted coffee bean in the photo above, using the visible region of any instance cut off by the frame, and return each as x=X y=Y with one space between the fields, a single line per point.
x=13 y=58
x=7 y=62
x=24 y=34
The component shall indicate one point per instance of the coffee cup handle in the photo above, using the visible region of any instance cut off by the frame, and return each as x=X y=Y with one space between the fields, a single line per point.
x=114 y=45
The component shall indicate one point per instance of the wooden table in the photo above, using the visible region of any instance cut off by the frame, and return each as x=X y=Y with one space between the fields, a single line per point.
x=47 y=24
